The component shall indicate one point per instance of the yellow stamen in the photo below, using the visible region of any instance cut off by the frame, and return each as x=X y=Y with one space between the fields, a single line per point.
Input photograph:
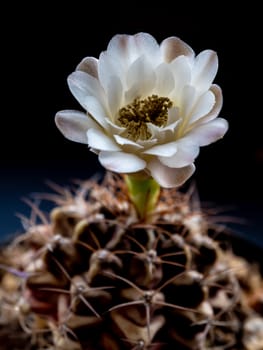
x=135 y=116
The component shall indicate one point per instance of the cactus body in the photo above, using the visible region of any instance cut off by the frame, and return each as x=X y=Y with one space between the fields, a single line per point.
x=94 y=276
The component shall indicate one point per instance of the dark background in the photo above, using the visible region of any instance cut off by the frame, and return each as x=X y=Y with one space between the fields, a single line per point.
x=42 y=43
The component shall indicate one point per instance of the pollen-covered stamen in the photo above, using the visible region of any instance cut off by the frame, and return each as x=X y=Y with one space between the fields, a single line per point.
x=135 y=116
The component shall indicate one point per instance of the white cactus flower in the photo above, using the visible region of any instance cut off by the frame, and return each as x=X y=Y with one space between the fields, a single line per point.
x=149 y=107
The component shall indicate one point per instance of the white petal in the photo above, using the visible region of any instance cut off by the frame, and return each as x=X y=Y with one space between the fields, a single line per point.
x=115 y=95
x=148 y=46
x=165 y=80
x=123 y=141
x=132 y=94
x=216 y=90
x=113 y=128
x=169 y=177
x=97 y=111
x=203 y=106
x=129 y=47
x=154 y=130
x=186 y=153
x=97 y=139
x=171 y=127
x=123 y=51
x=173 y=47
x=173 y=115
x=162 y=134
x=141 y=76
x=82 y=85
x=207 y=133
x=109 y=66
x=147 y=143
x=121 y=162
x=89 y=65
x=188 y=101
x=165 y=134
x=182 y=73
x=165 y=150
x=119 y=46
x=204 y=70
x=74 y=125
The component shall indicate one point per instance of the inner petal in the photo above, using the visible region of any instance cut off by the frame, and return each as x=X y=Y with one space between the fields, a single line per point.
x=165 y=80
x=141 y=75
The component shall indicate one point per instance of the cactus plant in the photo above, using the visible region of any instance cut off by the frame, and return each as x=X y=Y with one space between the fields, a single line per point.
x=132 y=261
x=93 y=276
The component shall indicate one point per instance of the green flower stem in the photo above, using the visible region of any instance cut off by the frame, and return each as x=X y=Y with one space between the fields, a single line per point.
x=144 y=193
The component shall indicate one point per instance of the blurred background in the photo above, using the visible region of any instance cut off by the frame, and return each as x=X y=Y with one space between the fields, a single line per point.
x=41 y=45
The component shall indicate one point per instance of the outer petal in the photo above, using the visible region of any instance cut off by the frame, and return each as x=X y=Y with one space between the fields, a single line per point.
x=97 y=111
x=120 y=46
x=121 y=162
x=165 y=150
x=148 y=46
x=207 y=133
x=97 y=139
x=186 y=153
x=129 y=47
x=216 y=90
x=82 y=85
x=74 y=125
x=203 y=106
x=204 y=70
x=173 y=47
x=89 y=65
x=169 y=177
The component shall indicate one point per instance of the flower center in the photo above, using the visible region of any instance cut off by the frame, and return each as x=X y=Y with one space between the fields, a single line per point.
x=135 y=116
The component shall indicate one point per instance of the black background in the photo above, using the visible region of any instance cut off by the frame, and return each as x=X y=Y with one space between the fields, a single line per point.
x=42 y=43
